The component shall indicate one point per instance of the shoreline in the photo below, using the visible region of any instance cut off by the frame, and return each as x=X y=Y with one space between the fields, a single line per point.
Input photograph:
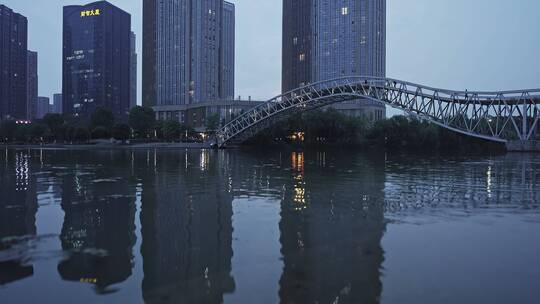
x=209 y=146
x=110 y=146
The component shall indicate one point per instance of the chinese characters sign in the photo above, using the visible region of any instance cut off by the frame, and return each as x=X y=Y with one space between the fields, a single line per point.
x=89 y=13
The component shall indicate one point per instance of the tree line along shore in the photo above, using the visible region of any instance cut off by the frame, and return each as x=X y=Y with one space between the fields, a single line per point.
x=315 y=128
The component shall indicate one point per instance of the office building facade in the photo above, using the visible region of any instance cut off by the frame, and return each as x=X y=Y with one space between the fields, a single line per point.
x=227 y=51
x=326 y=39
x=13 y=64
x=32 y=85
x=188 y=51
x=133 y=79
x=96 y=60
x=43 y=107
x=57 y=104
x=196 y=115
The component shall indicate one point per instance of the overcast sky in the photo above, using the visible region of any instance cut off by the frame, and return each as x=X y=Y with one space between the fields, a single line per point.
x=454 y=44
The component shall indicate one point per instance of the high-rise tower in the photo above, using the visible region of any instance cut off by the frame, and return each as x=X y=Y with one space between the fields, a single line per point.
x=13 y=64
x=133 y=76
x=187 y=46
x=96 y=59
x=227 y=51
x=327 y=39
x=32 y=85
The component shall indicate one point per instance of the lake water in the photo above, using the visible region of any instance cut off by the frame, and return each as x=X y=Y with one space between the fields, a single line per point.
x=278 y=226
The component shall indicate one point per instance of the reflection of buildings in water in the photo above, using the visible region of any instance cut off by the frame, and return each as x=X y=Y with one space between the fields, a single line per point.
x=21 y=171
x=500 y=181
x=186 y=229
x=204 y=159
x=18 y=207
x=321 y=159
x=331 y=249
x=331 y=221
x=299 y=197
x=98 y=230
x=19 y=197
x=11 y=271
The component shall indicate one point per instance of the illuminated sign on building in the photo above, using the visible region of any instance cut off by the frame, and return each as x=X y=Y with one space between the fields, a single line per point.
x=95 y=12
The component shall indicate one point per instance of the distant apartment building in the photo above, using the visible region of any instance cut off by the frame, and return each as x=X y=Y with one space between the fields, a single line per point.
x=96 y=60
x=133 y=76
x=227 y=51
x=43 y=107
x=328 y=39
x=57 y=104
x=188 y=51
x=196 y=115
x=32 y=85
x=13 y=64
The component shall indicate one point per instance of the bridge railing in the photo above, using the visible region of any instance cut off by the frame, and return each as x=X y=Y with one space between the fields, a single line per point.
x=476 y=113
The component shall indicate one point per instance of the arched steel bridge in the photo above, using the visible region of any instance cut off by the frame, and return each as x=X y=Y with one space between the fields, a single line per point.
x=497 y=116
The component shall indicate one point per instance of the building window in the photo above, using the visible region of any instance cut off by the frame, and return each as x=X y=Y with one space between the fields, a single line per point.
x=302 y=57
x=344 y=11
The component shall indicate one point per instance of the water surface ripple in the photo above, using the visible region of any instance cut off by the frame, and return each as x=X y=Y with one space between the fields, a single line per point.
x=274 y=226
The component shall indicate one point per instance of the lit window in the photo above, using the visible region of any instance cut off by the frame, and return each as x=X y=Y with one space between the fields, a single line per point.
x=302 y=57
x=344 y=10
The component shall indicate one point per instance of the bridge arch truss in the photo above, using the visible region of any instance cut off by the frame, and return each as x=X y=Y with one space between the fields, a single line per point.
x=497 y=116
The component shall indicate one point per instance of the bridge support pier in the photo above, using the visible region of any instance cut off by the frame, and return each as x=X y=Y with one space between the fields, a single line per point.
x=523 y=146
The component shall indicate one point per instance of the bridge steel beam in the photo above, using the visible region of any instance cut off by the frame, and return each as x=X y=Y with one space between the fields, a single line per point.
x=496 y=116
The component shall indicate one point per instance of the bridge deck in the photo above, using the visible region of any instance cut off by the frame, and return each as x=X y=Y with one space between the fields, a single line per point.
x=497 y=116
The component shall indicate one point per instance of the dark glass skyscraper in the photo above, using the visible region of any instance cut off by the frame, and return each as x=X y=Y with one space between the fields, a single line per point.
x=13 y=64
x=133 y=79
x=187 y=46
x=327 y=39
x=297 y=45
x=32 y=85
x=96 y=59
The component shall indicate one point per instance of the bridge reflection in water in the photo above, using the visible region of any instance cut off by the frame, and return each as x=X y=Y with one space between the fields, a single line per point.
x=334 y=207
